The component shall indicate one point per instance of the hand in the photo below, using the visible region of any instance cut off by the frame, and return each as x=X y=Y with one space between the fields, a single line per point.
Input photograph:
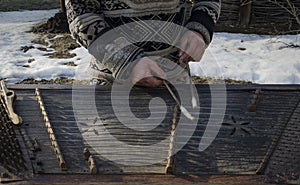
x=193 y=47
x=147 y=73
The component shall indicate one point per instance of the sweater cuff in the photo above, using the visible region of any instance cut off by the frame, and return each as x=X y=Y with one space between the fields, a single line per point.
x=129 y=62
x=115 y=55
x=202 y=23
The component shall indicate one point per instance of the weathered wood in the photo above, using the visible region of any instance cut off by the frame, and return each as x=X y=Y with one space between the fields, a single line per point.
x=11 y=155
x=224 y=156
x=245 y=12
x=283 y=157
x=60 y=158
x=240 y=147
x=62 y=5
x=171 y=158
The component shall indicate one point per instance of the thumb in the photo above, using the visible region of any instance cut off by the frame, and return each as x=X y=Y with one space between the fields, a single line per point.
x=183 y=44
x=157 y=71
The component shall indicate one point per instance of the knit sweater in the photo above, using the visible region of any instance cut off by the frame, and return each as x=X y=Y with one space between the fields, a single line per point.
x=91 y=19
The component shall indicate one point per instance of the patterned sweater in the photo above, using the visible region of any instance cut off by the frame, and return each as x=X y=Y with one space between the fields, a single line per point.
x=90 y=19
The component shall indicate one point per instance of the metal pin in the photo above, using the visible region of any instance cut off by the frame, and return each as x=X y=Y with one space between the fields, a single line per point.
x=60 y=158
x=92 y=165
x=86 y=153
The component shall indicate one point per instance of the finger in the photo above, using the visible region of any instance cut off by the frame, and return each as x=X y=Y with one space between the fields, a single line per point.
x=157 y=71
x=189 y=52
x=154 y=82
x=193 y=51
x=150 y=82
x=140 y=76
x=184 y=58
x=183 y=45
x=141 y=83
x=201 y=49
x=198 y=56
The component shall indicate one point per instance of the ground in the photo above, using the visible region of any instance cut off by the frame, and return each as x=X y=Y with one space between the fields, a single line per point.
x=63 y=46
x=56 y=58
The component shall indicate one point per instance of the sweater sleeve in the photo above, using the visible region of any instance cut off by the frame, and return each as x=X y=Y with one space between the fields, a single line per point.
x=204 y=16
x=87 y=23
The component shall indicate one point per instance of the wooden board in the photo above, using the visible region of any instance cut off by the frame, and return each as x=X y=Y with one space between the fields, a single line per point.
x=243 y=144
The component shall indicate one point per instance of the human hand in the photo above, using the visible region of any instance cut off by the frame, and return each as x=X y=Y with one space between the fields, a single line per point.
x=147 y=73
x=192 y=46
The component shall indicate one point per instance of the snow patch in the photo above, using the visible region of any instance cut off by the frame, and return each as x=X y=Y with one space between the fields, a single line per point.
x=258 y=58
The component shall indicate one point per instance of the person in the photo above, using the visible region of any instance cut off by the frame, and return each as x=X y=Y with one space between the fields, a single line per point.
x=90 y=19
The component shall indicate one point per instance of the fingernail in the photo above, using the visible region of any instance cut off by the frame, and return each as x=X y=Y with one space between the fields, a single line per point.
x=181 y=59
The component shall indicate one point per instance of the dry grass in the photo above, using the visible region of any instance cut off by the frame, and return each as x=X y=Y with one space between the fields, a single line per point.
x=209 y=80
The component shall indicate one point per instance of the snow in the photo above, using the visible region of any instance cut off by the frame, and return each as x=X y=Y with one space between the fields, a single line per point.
x=261 y=59
x=14 y=27
x=258 y=58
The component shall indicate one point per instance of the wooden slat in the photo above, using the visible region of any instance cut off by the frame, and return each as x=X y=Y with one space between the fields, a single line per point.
x=284 y=159
x=238 y=153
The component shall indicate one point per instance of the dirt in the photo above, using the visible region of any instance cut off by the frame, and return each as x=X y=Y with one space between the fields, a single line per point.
x=62 y=44
x=268 y=29
x=71 y=64
x=152 y=183
x=56 y=24
x=64 y=80
x=209 y=80
x=56 y=42
x=54 y=46
x=61 y=80
x=41 y=40
x=54 y=34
